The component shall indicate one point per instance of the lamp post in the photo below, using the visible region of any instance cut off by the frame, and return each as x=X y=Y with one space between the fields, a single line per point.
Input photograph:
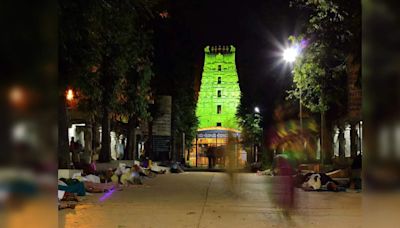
x=289 y=55
x=257 y=114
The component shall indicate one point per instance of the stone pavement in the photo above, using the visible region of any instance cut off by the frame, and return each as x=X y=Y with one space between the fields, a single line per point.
x=209 y=199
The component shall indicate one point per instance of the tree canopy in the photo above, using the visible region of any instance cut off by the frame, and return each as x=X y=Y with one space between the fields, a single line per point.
x=250 y=124
x=330 y=36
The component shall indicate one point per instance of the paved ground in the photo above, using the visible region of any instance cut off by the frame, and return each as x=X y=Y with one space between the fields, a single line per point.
x=201 y=199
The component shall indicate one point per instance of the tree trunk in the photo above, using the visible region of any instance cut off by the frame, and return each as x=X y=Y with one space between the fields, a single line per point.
x=353 y=140
x=149 y=148
x=250 y=155
x=326 y=140
x=173 y=148
x=130 y=151
x=63 y=148
x=105 y=152
x=342 y=142
x=134 y=142
x=94 y=136
x=177 y=147
x=88 y=152
x=182 y=155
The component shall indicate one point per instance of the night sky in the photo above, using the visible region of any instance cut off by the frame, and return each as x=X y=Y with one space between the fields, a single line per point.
x=255 y=27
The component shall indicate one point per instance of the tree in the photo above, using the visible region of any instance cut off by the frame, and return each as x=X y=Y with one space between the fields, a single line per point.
x=103 y=53
x=135 y=92
x=135 y=104
x=250 y=124
x=184 y=119
x=133 y=38
x=75 y=57
x=331 y=35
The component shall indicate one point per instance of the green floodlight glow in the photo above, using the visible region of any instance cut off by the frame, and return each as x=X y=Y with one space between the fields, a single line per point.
x=219 y=94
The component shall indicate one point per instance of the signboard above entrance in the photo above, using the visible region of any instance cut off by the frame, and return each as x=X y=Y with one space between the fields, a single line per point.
x=216 y=133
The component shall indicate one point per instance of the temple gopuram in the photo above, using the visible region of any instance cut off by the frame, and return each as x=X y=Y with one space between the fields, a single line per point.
x=218 y=134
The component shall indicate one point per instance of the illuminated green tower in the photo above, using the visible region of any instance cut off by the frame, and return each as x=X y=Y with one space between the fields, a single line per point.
x=219 y=94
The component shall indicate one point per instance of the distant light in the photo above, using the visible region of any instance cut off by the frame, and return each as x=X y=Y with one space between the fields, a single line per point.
x=16 y=95
x=257 y=110
x=164 y=14
x=19 y=132
x=70 y=95
x=94 y=69
x=290 y=54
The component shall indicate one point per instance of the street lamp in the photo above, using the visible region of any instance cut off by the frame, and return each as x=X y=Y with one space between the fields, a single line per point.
x=17 y=96
x=290 y=54
x=70 y=94
x=256 y=109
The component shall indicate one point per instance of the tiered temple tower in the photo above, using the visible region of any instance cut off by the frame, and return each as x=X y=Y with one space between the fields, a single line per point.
x=219 y=94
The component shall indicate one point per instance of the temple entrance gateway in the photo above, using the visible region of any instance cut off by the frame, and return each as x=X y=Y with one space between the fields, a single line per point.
x=217 y=148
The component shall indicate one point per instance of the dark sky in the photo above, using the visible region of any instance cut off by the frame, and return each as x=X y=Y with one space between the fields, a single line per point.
x=255 y=27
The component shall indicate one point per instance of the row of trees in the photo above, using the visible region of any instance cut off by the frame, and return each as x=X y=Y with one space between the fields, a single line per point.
x=116 y=55
x=105 y=55
x=330 y=38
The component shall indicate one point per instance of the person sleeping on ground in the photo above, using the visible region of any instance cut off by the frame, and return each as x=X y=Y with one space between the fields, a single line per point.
x=315 y=182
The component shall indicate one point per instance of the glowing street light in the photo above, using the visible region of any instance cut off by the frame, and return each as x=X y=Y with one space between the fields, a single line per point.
x=257 y=110
x=290 y=54
x=70 y=95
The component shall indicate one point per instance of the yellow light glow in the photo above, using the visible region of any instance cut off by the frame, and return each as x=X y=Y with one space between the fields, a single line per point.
x=70 y=95
x=16 y=95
